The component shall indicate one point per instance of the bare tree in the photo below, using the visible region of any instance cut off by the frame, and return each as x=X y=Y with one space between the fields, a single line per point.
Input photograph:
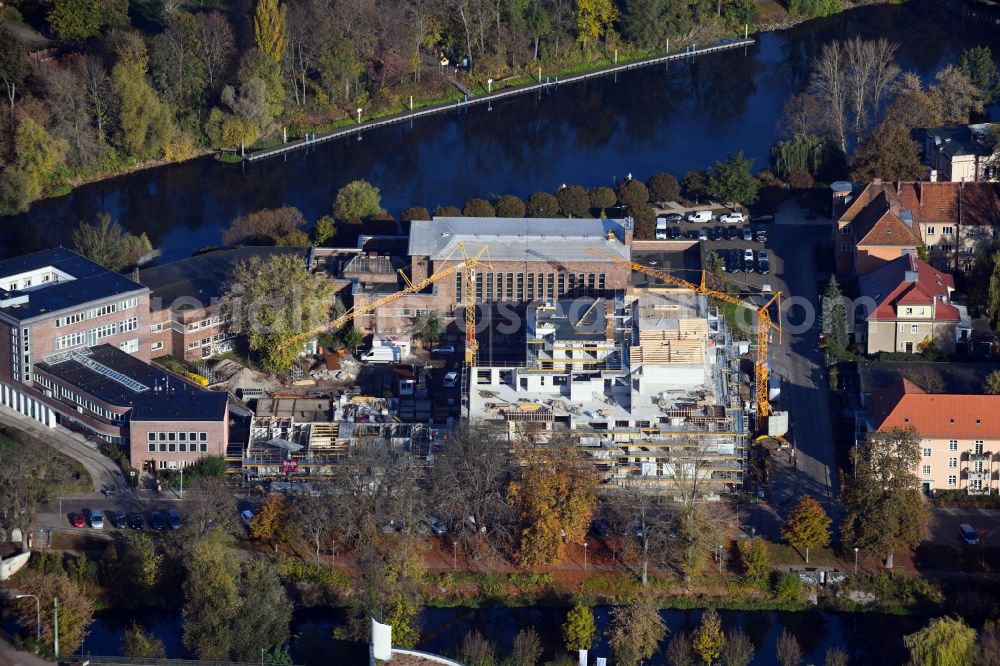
x=30 y=475
x=314 y=515
x=871 y=67
x=98 y=86
x=646 y=520
x=470 y=483
x=828 y=83
x=217 y=45
x=960 y=98
x=208 y=506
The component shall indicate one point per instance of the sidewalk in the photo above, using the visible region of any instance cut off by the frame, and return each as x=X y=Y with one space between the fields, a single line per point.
x=103 y=471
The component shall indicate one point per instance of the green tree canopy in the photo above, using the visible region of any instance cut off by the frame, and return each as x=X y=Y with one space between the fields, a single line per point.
x=977 y=64
x=276 y=302
x=573 y=201
x=83 y=19
x=476 y=207
x=542 y=204
x=708 y=638
x=663 y=187
x=602 y=198
x=137 y=644
x=807 y=525
x=890 y=153
x=593 y=19
x=130 y=571
x=507 y=205
x=807 y=153
x=814 y=8
x=324 y=229
x=884 y=509
x=636 y=631
x=270 y=28
x=946 y=641
x=109 y=245
x=358 y=199
x=833 y=317
x=76 y=609
x=144 y=123
x=38 y=154
x=755 y=562
x=414 y=213
x=730 y=181
x=633 y=193
x=579 y=629
x=992 y=384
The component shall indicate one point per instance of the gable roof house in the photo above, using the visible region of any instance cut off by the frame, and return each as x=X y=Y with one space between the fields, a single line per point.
x=953 y=220
x=959 y=434
x=909 y=303
x=960 y=153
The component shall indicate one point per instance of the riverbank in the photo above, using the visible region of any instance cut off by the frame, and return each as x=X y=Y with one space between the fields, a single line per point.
x=774 y=20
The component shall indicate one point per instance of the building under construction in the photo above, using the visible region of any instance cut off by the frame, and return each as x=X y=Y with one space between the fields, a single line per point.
x=649 y=384
x=305 y=437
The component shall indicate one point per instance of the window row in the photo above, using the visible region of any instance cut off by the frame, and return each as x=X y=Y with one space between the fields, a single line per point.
x=177 y=436
x=177 y=447
x=93 y=313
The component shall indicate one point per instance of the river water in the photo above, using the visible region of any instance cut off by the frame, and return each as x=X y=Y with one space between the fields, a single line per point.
x=868 y=638
x=674 y=117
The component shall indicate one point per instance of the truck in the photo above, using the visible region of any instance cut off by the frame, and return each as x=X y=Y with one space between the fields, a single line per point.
x=661 y=228
x=381 y=355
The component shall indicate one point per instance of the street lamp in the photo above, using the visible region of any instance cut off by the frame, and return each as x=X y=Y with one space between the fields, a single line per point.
x=720 y=558
x=585 y=544
x=334 y=563
x=359 y=115
x=38 y=613
x=855 y=560
x=489 y=85
x=454 y=561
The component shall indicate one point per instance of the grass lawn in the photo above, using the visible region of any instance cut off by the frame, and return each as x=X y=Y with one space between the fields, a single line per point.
x=77 y=478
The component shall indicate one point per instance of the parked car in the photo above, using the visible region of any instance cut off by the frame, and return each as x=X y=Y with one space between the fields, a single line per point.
x=77 y=520
x=748 y=260
x=450 y=380
x=702 y=235
x=381 y=355
x=674 y=233
x=173 y=519
x=673 y=218
x=763 y=264
x=718 y=233
x=747 y=234
x=156 y=521
x=118 y=520
x=661 y=228
x=443 y=350
x=760 y=232
x=699 y=216
x=735 y=261
x=95 y=518
x=135 y=521
x=733 y=233
x=436 y=525
x=969 y=534
x=732 y=218
x=246 y=517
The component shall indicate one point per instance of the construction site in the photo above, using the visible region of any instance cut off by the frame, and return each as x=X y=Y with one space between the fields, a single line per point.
x=646 y=376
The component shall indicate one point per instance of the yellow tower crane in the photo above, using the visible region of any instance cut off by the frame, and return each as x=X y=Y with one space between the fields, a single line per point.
x=764 y=322
x=469 y=263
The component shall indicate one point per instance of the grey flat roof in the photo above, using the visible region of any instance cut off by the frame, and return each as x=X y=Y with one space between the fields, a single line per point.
x=203 y=278
x=92 y=282
x=115 y=377
x=518 y=239
x=574 y=319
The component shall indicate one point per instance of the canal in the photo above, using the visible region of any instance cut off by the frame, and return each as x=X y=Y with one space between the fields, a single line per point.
x=673 y=117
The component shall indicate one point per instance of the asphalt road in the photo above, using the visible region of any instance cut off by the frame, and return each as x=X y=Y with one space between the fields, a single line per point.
x=795 y=356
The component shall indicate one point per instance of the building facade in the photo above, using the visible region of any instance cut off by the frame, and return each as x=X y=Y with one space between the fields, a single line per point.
x=910 y=308
x=961 y=153
x=78 y=343
x=959 y=435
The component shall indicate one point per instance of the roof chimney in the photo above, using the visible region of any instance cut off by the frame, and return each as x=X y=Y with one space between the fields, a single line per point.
x=910 y=276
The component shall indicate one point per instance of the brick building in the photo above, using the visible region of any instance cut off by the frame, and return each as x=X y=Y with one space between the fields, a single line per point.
x=953 y=220
x=527 y=259
x=77 y=351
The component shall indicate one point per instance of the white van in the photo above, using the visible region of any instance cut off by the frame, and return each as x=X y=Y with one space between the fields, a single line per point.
x=699 y=216
x=661 y=228
x=381 y=355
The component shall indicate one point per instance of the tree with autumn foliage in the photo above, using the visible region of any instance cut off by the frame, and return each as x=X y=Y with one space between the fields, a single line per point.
x=555 y=495
x=807 y=526
x=273 y=522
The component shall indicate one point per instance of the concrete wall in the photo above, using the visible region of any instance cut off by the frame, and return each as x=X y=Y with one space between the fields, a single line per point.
x=894 y=335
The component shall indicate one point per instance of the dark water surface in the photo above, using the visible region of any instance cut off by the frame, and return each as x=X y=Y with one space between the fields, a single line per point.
x=676 y=118
x=868 y=638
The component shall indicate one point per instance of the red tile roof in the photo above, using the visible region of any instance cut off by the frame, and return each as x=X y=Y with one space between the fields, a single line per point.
x=938 y=203
x=935 y=415
x=889 y=288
